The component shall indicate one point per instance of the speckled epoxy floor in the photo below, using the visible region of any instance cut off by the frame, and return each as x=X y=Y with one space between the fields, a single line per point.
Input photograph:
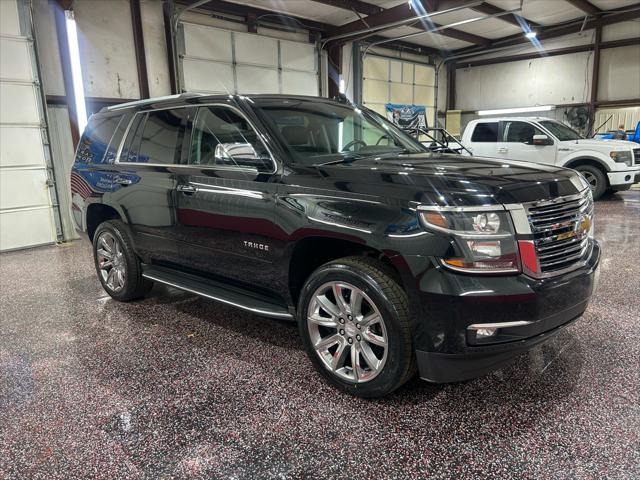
x=178 y=386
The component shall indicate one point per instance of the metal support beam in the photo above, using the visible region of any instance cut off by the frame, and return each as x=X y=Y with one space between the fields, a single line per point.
x=353 y=5
x=334 y=54
x=513 y=19
x=451 y=86
x=65 y=61
x=547 y=53
x=168 y=9
x=559 y=31
x=138 y=45
x=403 y=14
x=586 y=6
x=595 y=77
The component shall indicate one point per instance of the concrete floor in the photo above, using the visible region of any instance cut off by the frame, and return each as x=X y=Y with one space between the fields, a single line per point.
x=178 y=386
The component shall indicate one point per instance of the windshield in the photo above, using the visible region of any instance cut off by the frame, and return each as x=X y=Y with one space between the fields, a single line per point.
x=318 y=132
x=562 y=132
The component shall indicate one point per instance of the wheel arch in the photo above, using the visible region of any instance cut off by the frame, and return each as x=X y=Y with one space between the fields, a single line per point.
x=98 y=213
x=311 y=252
x=596 y=162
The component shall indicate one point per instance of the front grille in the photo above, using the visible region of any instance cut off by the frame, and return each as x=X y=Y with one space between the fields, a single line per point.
x=636 y=156
x=560 y=230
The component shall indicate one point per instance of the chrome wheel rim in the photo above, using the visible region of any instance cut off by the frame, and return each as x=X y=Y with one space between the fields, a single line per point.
x=111 y=261
x=591 y=179
x=347 y=332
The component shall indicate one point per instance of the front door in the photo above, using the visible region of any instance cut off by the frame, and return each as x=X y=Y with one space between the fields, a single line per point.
x=225 y=200
x=517 y=143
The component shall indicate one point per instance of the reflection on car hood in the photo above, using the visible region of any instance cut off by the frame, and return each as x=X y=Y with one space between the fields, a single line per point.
x=453 y=179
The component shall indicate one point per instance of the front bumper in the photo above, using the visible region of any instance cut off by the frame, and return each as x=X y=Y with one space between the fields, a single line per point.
x=448 y=303
x=624 y=177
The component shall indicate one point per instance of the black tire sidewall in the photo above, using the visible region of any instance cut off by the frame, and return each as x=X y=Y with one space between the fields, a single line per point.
x=133 y=276
x=397 y=357
x=603 y=185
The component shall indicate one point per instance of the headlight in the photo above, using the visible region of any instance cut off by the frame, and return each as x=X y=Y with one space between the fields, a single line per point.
x=623 y=156
x=484 y=240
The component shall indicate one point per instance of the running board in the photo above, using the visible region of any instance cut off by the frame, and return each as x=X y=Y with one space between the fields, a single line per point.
x=218 y=291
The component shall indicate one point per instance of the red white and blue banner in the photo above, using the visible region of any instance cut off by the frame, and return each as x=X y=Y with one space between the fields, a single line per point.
x=406 y=116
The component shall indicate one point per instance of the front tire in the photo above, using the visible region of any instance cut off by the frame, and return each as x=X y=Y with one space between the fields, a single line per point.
x=354 y=322
x=597 y=179
x=118 y=267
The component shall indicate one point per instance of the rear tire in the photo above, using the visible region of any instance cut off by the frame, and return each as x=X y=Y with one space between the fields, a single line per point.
x=368 y=328
x=118 y=267
x=596 y=178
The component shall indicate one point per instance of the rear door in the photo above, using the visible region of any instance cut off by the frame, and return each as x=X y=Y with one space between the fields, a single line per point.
x=225 y=200
x=484 y=139
x=155 y=148
x=517 y=143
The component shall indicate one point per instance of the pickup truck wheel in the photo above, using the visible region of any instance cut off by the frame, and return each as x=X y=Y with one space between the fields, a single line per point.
x=353 y=319
x=117 y=265
x=596 y=178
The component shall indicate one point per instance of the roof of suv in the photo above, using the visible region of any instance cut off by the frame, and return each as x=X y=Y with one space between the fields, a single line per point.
x=196 y=97
x=537 y=119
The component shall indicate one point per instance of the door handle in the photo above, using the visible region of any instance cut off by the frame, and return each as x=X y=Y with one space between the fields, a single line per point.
x=503 y=150
x=187 y=189
x=123 y=181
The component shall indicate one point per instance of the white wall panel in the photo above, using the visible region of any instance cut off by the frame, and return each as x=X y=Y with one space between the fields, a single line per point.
x=9 y=24
x=256 y=50
x=18 y=104
x=619 y=73
x=155 y=48
x=23 y=228
x=15 y=62
x=207 y=42
x=23 y=188
x=205 y=76
x=620 y=31
x=299 y=83
x=21 y=147
x=542 y=81
x=107 y=55
x=49 y=54
x=298 y=56
x=257 y=79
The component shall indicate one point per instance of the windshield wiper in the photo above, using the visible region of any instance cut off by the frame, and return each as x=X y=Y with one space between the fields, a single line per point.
x=346 y=159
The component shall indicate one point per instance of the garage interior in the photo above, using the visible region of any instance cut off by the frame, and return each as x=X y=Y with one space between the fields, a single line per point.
x=175 y=385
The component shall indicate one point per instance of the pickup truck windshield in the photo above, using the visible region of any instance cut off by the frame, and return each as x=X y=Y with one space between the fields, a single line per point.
x=318 y=132
x=562 y=132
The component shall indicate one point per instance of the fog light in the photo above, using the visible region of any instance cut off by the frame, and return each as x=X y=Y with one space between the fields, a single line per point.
x=486 y=332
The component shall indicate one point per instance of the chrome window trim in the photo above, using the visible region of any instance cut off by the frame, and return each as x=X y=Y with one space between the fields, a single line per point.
x=181 y=166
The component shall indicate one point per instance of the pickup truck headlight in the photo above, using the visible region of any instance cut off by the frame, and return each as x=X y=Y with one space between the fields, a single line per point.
x=622 y=156
x=484 y=240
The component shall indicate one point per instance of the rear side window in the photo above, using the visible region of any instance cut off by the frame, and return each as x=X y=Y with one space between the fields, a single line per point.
x=96 y=145
x=485 y=132
x=157 y=137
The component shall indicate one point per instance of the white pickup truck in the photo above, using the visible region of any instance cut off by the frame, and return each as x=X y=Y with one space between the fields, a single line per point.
x=608 y=165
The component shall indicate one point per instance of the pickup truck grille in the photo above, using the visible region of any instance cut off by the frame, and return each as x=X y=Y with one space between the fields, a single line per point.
x=560 y=230
x=636 y=156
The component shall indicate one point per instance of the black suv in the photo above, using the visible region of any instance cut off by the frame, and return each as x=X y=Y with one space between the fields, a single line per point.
x=392 y=259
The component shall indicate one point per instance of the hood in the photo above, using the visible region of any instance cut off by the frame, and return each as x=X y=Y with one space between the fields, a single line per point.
x=452 y=179
x=603 y=143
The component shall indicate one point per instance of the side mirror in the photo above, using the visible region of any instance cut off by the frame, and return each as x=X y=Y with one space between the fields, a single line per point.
x=238 y=154
x=541 y=140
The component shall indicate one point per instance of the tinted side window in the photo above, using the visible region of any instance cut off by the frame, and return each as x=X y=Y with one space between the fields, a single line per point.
x=157 y=137
x=520 y=132
x=485 y=132
x=222 y=137
x=95 y=145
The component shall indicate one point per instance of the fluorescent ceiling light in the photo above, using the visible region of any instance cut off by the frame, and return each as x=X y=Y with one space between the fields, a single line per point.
x=76 y=70
x=540 y=108
x=531 y=34
x=341 y=86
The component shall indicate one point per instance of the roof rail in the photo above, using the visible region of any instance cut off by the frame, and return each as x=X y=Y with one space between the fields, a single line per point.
x=147 y=101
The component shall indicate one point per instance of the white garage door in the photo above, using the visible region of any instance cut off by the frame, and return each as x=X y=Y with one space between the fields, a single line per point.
x=398 y=81
x=26 y=208
x=221 y=61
